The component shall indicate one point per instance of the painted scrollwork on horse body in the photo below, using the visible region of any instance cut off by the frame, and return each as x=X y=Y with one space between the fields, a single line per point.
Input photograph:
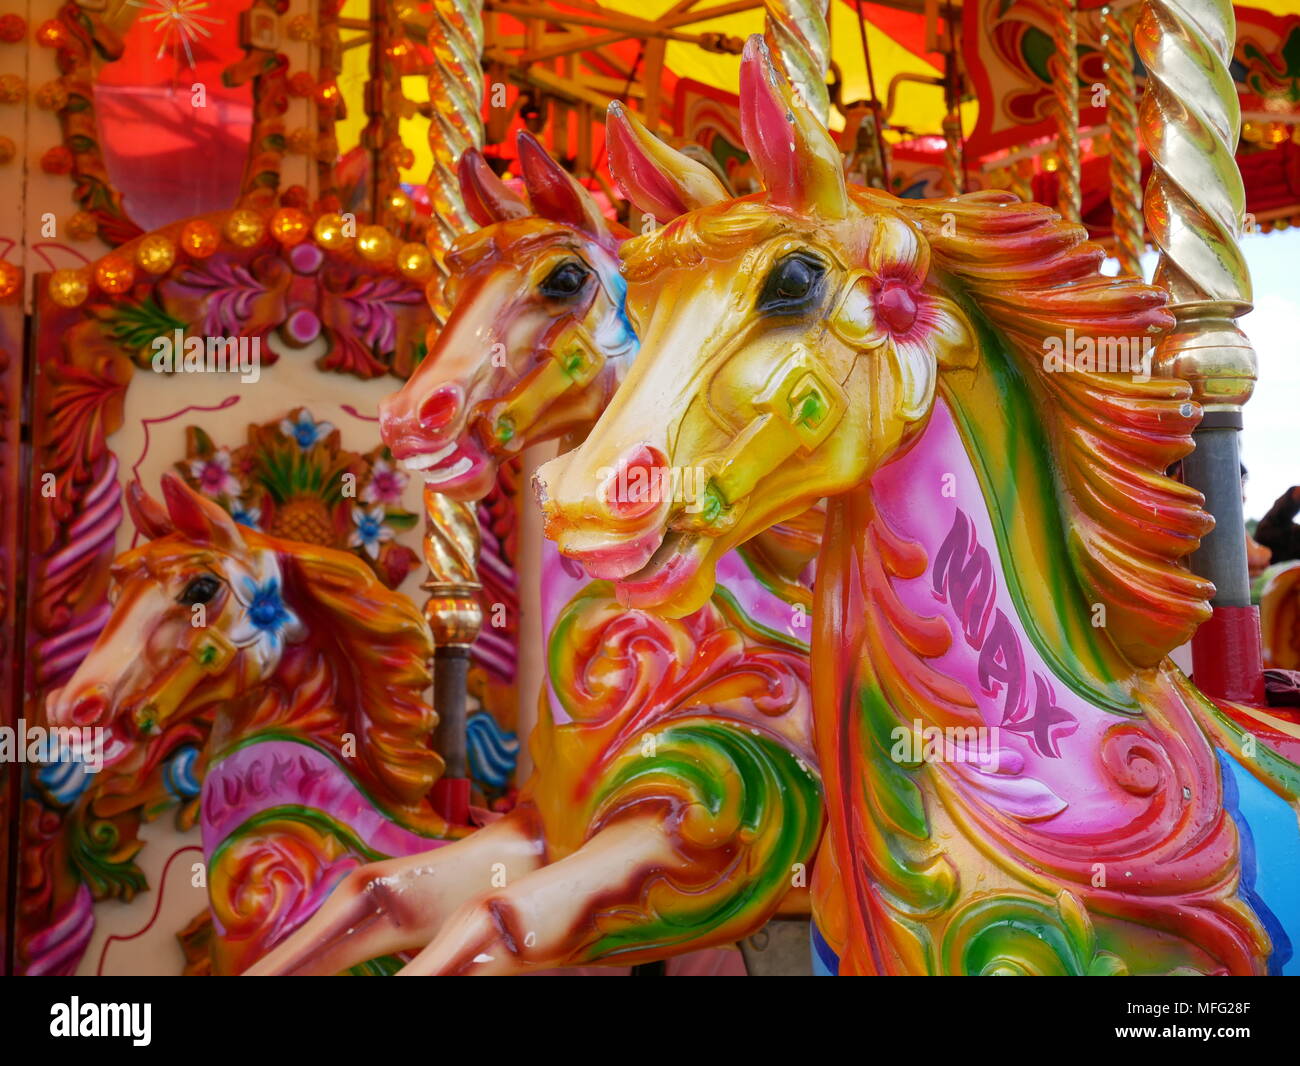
x=1018 y=780
x=675 y=800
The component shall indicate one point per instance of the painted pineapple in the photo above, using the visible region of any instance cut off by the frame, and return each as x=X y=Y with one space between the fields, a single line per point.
x=294 y=481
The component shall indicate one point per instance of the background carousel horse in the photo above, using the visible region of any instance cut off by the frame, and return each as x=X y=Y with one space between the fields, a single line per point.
x=1018 y=779
x=1277 y=591
x=319 y=757
x=674 y=800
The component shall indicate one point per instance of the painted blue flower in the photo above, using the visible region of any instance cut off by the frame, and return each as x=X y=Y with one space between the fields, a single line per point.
x=370 y=531
x=266 y=623
x=305 y=429
x=246 y=516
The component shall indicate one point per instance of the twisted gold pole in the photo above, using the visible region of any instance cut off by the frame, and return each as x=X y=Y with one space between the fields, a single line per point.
x=451 y=535
x=451 y=547
x=799 y=38
x=952 y=167
x=1190 y=120
x=1064 y=67
x=455 y=122
x=1122 y=124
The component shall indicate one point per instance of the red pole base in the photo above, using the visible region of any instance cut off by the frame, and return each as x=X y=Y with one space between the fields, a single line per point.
x=1226 y=658
x=450 y=797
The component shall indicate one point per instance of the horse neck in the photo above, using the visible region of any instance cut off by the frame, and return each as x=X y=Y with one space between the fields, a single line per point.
x=932 y=679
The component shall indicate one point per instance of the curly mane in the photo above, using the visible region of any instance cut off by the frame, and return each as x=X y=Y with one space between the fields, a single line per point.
x=379 y=648
x=1033 y=275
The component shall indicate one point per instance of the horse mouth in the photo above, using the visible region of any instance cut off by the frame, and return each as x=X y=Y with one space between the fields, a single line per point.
x=454 y=466
x=671 y=568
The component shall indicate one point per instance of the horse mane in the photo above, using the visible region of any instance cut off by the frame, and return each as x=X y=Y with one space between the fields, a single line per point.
x=1033 y=275
x=379 y=649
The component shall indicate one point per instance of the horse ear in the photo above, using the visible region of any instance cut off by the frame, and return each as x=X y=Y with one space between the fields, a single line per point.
x=555 y=193
x=146 y=512
x=198 y=519
x=658 y=180
x=796 y=159
x=487 y=198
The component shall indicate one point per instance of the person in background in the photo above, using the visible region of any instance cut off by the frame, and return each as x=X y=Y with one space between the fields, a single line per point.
x=1278 y=531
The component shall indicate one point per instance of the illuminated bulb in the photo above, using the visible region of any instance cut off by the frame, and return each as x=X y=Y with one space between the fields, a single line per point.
x=245 y=228
x=329 y=232
x=290 y=226
x=415 y=261
x=11 y=281
x=52 y=34
x=374 y=243
x=199 y=238
x=69 y=288
x=81 y=226
x=155 y=254
x=114 y=274
x=399 y=205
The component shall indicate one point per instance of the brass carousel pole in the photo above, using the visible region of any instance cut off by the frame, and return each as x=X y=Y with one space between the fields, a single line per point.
x=455 y=615
x=451 y=536
x=455 y=123
x=1190 y=121
x=1064 y=66
x=1122 y=125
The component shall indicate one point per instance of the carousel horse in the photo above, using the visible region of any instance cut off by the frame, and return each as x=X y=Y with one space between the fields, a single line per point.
x=319 y=758
x=1017 y=777
x=675 y=799
x=1277 y=591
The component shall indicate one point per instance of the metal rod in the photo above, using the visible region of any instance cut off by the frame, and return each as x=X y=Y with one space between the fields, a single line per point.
x=1190 y=122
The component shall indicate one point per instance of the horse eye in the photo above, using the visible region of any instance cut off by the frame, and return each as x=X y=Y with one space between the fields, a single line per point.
x=793 y=285
x=200 y=590
x=564 y=281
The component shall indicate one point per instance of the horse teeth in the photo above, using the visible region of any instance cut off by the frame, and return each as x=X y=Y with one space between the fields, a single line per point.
x=460 y=466
x=428 y=459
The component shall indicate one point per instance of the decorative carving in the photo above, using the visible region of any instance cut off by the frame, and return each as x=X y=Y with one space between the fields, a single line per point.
x=293 y=481
x=1052 y=743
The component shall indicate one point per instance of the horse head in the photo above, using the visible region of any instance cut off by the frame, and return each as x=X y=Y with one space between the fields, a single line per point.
x=199 y=617
x=790 y=339
x=537 y=338
x=206 y=611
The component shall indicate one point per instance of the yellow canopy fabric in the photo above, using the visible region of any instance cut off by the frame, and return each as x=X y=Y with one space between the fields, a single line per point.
x=920 y=107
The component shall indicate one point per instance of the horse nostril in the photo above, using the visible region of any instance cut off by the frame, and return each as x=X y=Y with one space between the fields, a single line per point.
x=89 y=709
x=438 y=409
x=640 y=483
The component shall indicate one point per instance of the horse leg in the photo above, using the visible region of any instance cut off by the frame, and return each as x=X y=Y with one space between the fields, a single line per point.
x=400 y=904
x=544 y=918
